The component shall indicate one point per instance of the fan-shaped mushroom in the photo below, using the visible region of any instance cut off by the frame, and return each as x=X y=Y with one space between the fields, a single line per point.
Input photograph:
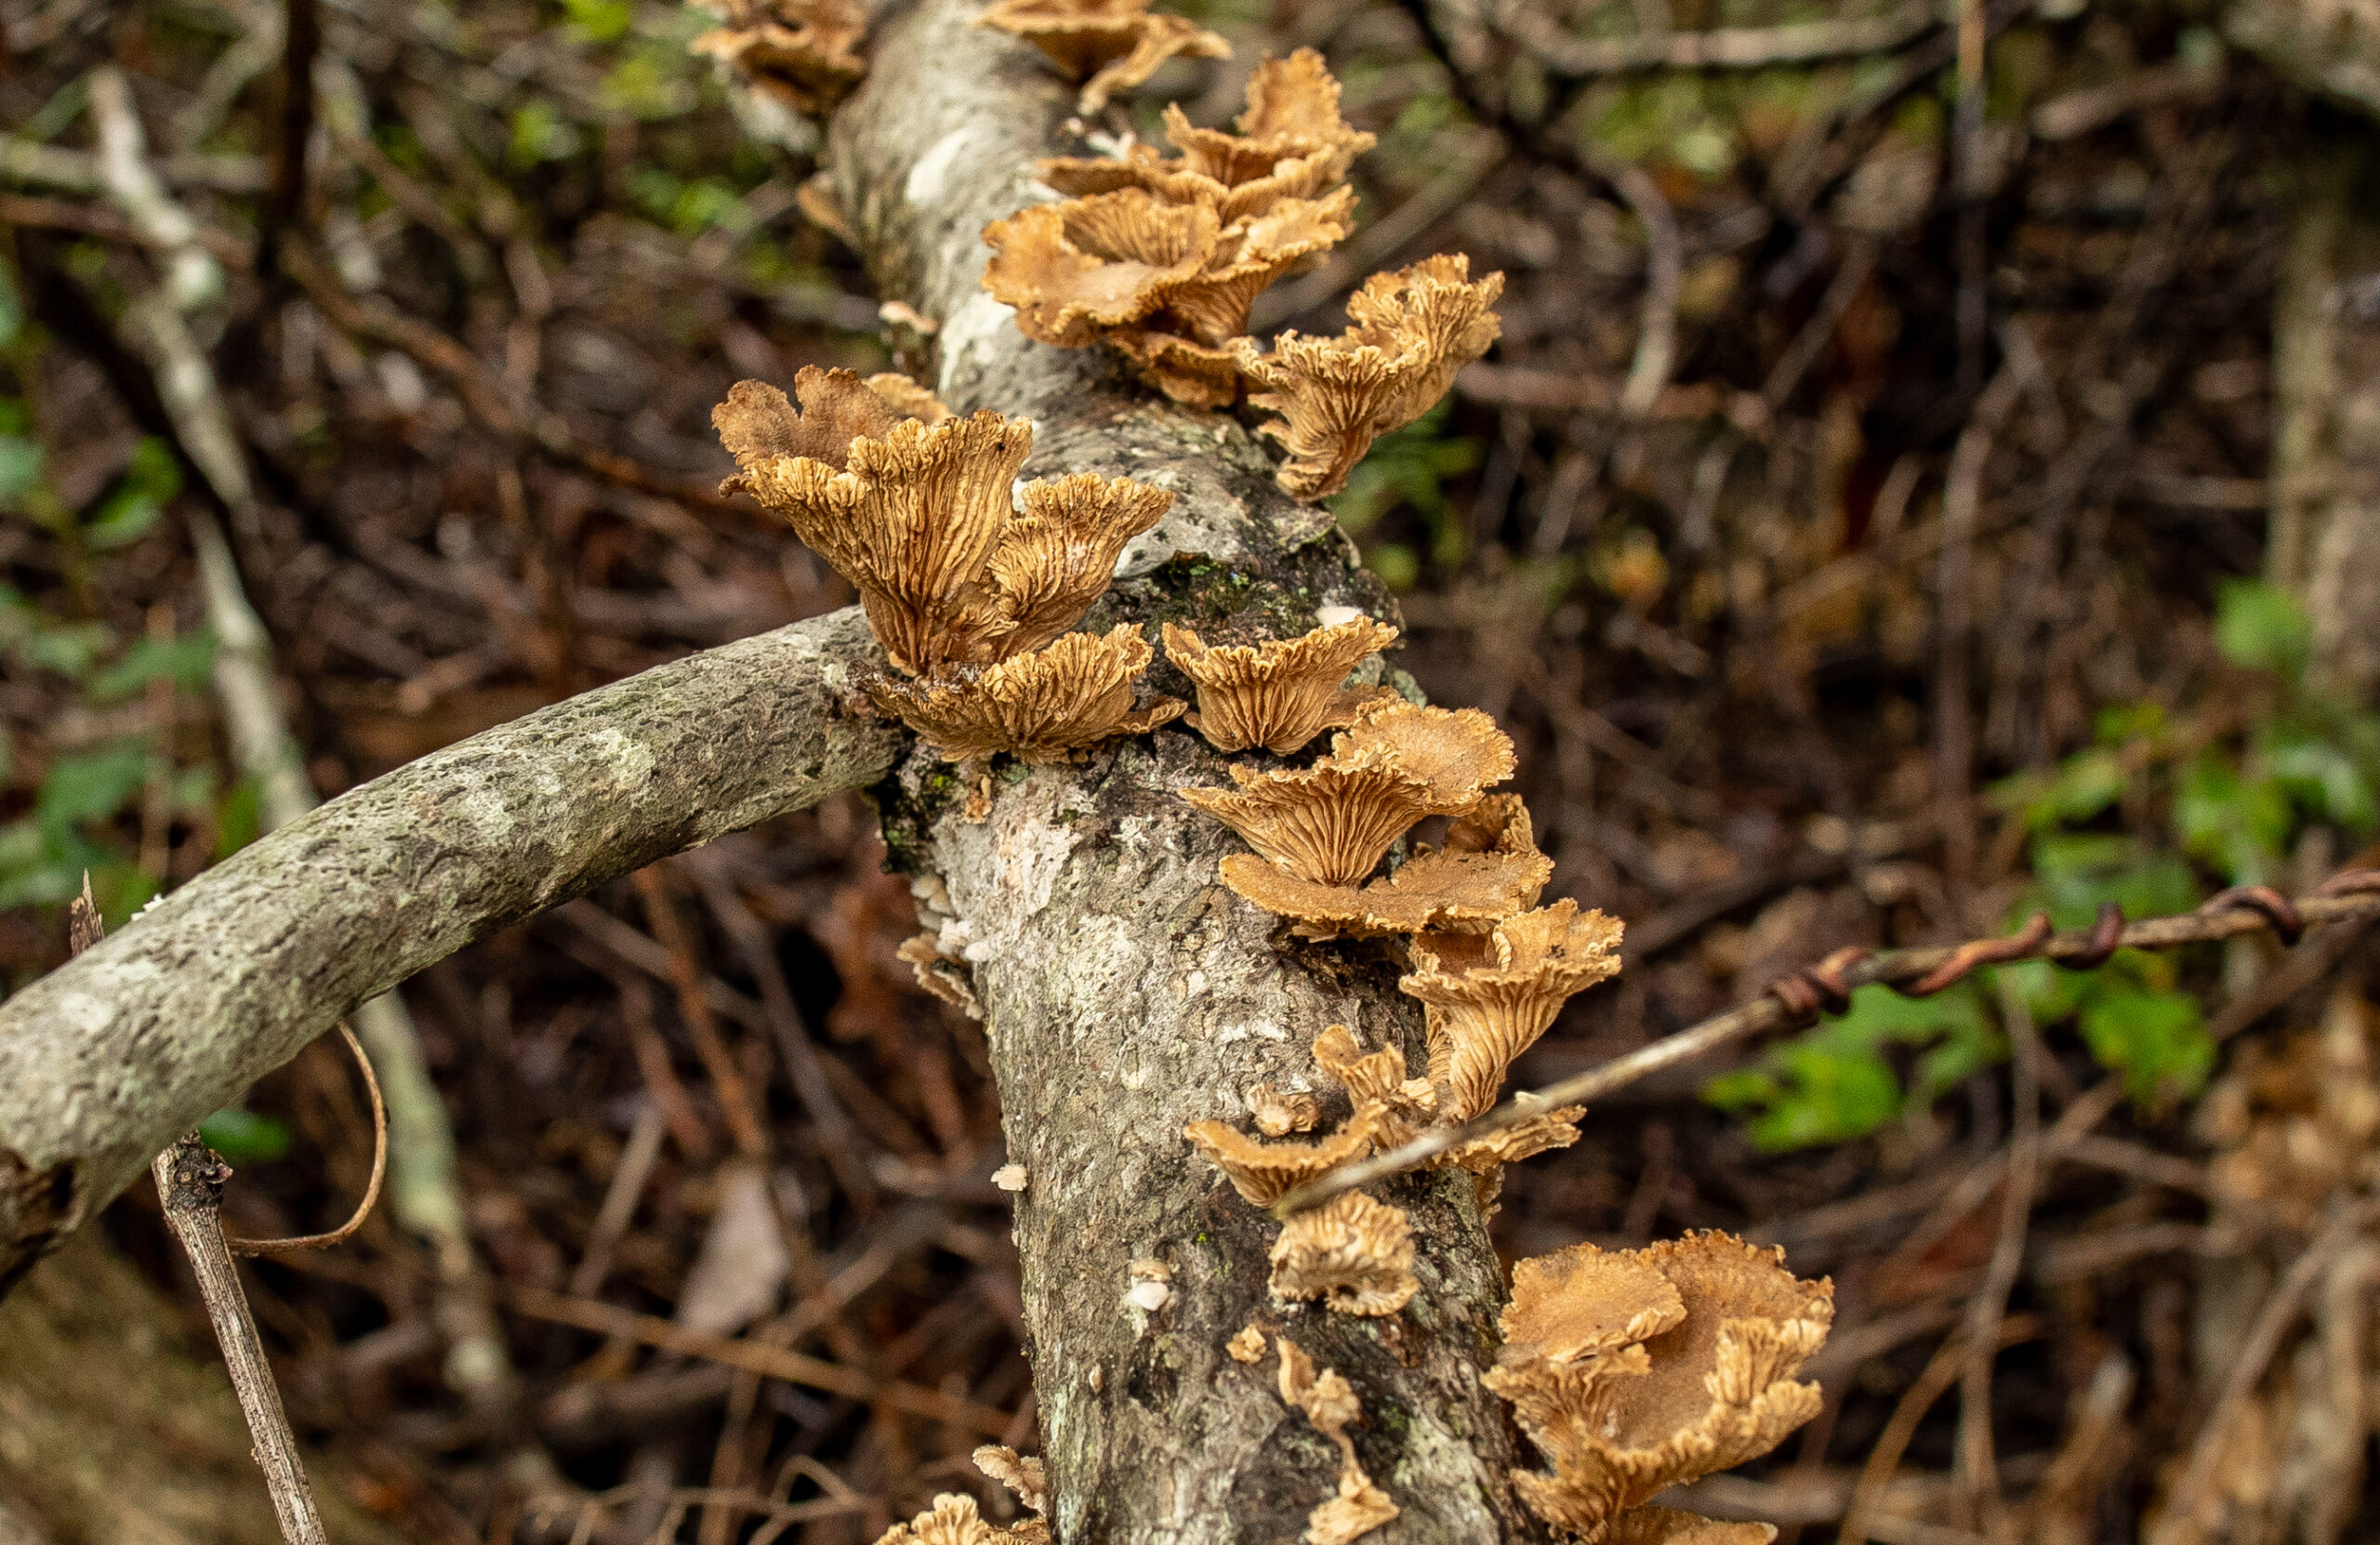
x=921 y=517
x=800 y=51
x=1264 y=1172
x=1352 y=1252
x=1279 y=694
x=1412 y=330
x=1489 y=997
x=1489 y=868
x=1330 y=823
x=1711 y=1388
x=1044 y=706
x=1110 y=46
x=1161 y=258
x=1330 y=1403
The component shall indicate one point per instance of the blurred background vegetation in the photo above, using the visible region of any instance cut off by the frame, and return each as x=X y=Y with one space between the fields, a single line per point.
x=1909 y=493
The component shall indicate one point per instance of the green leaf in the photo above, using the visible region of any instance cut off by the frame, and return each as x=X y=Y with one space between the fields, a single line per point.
x=599 y=21
x=21 y=468
x=2258 y=627
x=2239 y=824
x=184 y=660
x=2323 y=779
x=1833 y=1083
x=90 y=787
x=151 y=479
x=237 y=819
x=12 y=310
x=2076 y=790
x=245 y=1136
x=2157 y=1041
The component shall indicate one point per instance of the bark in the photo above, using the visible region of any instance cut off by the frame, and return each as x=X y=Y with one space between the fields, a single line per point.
x=2324 y=544
x=1125 y=991
x=112 y=1055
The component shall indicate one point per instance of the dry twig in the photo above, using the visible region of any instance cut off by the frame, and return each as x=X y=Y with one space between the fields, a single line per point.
x=2350 y=896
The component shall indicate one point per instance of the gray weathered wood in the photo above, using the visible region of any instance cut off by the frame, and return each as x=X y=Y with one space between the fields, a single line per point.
x=1125 y=991
x=108 y=1058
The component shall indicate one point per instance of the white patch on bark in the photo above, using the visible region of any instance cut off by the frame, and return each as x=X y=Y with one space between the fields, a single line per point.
x=974 y=331
x=929 y=178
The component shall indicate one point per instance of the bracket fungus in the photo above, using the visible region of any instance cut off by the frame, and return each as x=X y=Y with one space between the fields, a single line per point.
x=1024 y=1475
x=1489 y=996
x=1412 y=330
x=801 y=52
x=1278 y=1113
x=1621 y=1417
x=1110 y=46
x=1282 y=692
x=1330 y=823
x=921 y=519
x=1170 y=285
x=1330 y=1403
x=1044 y=707
x=1376 y=1081
x=1264 y=1172
x=1354 y=1253
x=914 y=506
x=1162 y=258
x=955 y=1520
x=1489 y=870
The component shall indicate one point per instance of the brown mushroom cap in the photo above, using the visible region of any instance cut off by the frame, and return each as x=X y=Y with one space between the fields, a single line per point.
x=1330 y=823
x=1044 y=706
x=800 y=51
x=916 y=507
x=1264 y=1172
x=1354 y=1252
x=1412 y=330
x=1482 y=1017
x=1583 y=1299
x=1162 y=257
x=1450 y=888
x=1279 y=694
x=1713 y=1390
x=1111 y=46
x=1025 y=1476
x=1278 y=1113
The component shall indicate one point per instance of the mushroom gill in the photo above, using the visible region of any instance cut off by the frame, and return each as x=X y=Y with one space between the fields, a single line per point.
x=1331 y=823
x=1710 y=1387
x=1412 y=330
x=1352 y=1252
x=1110 y=46
x=801 y=52
x=1376 y=1081
x=1044 y=707
x=1279 y=694
x=1488 y=998
x=1489 y=870
x=918 y=513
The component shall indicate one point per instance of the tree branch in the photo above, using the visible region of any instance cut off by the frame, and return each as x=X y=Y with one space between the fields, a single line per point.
x=112 y=1055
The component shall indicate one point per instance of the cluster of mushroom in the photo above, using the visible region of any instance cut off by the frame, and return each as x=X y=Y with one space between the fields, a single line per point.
x=968 y=583
x=1161 y=258
x=1608 y=1356
x=801 y=53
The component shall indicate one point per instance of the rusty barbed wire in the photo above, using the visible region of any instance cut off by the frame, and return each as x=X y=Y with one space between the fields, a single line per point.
x=2351 y=895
